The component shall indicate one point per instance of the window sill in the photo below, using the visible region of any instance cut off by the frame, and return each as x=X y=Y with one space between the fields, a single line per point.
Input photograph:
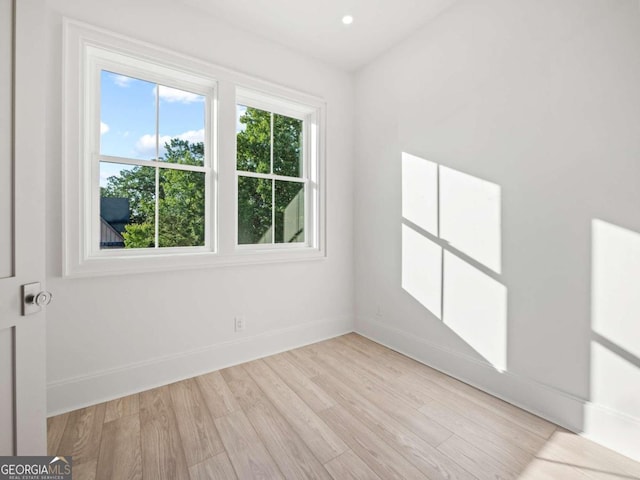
x=131 y=265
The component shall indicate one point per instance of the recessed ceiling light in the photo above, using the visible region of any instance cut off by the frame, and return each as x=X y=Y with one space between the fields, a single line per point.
x=347 y=19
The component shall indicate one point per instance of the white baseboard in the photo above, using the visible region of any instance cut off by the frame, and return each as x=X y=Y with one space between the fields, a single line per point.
x=71 y=394
x=613 y=429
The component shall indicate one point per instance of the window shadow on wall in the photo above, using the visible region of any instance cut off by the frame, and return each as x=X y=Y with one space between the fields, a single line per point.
x=615 y=334
x=451 y=253
x=452 y=266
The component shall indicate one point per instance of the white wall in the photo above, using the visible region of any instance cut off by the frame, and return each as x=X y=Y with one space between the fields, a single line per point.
x=526 y=116
x=114 y=335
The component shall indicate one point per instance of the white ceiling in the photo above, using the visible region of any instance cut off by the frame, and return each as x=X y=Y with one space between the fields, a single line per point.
x=315 y=27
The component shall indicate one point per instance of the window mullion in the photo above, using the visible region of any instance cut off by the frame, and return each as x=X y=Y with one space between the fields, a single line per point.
x=151 y=163
x=273 y=186
x=157 y=194
x=157 y=211
x=267 y=176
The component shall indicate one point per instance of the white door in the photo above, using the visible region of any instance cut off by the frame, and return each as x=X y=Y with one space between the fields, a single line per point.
x=22 y=229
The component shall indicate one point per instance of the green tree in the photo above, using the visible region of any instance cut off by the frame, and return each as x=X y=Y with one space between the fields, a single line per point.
x=256 y=195
x=180 y=199
x=181 y=194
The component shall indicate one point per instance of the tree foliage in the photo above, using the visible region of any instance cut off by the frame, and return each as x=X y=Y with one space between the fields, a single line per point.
x=180 y=199
x=181 y=194
x=256 y=195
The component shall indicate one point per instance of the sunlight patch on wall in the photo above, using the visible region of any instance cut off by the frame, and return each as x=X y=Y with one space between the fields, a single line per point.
x=470 y=217
x=616 y=285
x=615 y=382
x=422 y=269
x=475 y=308
x=615 y=349
x=420 y=192
x=447 y=213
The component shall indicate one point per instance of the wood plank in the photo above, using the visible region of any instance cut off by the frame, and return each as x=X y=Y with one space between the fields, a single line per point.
x=200 y=439
x=383 y=460
x=349 y=466
x=475 y=460
x=217 y=395
x=426 y=458
x=242 y=385
x=518 y=416
x=246 y=451
x=86 y=470
x=394 y=417
x=338 y=362
x=293 y=457
x=285 y=446
x=300 y=383
x=501 y=449
x=377 y=350
x=324 y=443
x=304 y=359
x=120 y=456
x=372 y=365
x=401 y=407
x=55 y=430
x=215 y=468
x=162 y=453
x=426 y=391
x=544 y=470
x=590 y=458
x=81 y=437
x=527 y=420
x=122 y=407
x=420 y=391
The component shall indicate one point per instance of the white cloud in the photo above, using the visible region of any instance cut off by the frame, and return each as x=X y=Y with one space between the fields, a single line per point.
x=173 y=95
x=193 y=136
x=104 y=128
x=121 y=80
x=146 y=144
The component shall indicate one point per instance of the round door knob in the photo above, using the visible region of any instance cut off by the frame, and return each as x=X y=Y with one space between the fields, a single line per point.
x=42 y=298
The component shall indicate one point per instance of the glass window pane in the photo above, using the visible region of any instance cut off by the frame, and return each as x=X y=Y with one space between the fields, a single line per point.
x=253 y=135
x=127 y=117
x=289 y=212
x=254 y=210
x=181 y=209
x=127 y=206
x=287 y=146
x=182 y=122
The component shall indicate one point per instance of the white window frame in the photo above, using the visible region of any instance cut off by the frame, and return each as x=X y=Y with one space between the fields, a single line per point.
x=99 y=60
x=310 y=166
x=87 y=48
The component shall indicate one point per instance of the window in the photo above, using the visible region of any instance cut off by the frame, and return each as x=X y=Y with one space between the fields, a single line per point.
x=152 y=179
x=151 y=150
x=274 y=167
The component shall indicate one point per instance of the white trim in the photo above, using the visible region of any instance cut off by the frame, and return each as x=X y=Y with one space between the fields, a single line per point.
x=269 y=176
x=312 y=175
x=276 y=103
x=99 y=60
x=150 y=163
x=73 y=393
x=610 y=428
x=77 y=37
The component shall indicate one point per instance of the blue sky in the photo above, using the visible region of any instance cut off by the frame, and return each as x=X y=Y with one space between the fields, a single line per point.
x=128 y=119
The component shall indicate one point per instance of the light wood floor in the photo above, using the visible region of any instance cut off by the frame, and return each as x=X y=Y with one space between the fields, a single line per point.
x=346 y=408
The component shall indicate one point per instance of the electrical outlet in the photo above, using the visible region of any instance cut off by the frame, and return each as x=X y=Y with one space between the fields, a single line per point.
x=239 y=324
